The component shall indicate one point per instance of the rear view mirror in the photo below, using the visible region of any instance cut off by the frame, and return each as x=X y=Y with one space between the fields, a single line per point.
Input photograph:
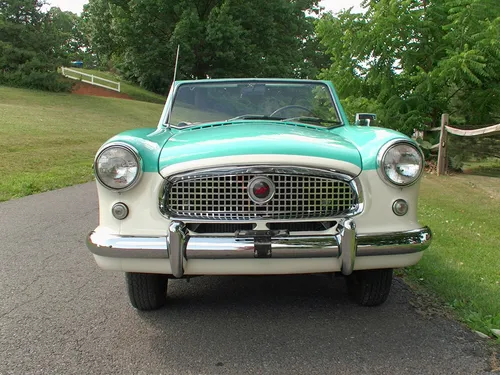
x=253 y=90
x=365 y=119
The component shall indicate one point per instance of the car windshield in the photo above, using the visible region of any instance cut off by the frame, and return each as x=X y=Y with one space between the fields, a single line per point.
x=305 y=102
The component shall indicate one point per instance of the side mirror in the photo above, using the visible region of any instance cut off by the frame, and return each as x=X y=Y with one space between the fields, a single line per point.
x=365 y=119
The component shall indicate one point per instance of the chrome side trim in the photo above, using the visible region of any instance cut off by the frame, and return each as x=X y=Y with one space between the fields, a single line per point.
x=347 y=239
x=177 y=240
x=407 y=242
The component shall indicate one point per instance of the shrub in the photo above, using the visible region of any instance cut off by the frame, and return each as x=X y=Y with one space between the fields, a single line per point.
x=47 y=81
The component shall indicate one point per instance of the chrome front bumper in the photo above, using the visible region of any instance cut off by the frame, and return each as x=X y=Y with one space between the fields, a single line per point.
x=178 y=246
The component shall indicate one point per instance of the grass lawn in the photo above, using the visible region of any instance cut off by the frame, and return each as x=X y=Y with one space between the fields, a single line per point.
x=462 y=266
x=134 y=91
x=48 y=140
x=487 y=167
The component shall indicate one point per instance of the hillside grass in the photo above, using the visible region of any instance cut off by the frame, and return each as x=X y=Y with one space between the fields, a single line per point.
x=462 y=266
x=134 y=91
x=48 y=140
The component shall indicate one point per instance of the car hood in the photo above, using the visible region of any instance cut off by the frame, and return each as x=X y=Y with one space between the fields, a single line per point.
x=251 y=138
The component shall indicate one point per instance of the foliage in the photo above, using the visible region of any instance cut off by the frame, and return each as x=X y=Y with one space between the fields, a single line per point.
x=33 y=44
x=72 y=36
x=222 y=38
x=412 y=60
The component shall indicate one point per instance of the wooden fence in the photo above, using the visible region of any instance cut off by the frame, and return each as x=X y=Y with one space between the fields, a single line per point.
x=443 y=139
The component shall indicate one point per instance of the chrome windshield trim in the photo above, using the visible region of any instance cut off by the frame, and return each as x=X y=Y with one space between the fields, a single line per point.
x=165 y=118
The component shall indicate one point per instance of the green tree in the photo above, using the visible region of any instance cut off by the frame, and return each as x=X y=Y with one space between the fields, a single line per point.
x=218 y=38
x=31 y=45
x=412 y=60
x=68 y=30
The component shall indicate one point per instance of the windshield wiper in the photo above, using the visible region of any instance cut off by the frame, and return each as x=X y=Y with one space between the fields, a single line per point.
x=255 y=117
x=314 y=120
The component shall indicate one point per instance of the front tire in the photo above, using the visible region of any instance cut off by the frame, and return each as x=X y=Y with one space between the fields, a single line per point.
x=147 y=291
x=370 y=287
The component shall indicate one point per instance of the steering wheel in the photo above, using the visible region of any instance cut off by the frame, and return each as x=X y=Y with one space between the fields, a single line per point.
x=290 y=107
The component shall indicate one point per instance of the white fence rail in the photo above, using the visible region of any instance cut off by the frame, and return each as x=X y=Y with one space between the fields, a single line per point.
x=90 y=78
x=493 y=129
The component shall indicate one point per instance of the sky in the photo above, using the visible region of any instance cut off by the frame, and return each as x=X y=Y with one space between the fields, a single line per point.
x=76 y=6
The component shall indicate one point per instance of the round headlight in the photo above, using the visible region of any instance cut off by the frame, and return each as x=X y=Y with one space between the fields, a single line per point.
x=401 y=163
x=118 y=166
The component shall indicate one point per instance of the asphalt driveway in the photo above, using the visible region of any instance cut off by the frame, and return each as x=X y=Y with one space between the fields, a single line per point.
x=60 y=314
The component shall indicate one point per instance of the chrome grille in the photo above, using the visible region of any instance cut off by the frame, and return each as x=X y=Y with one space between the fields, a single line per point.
x=222 y=195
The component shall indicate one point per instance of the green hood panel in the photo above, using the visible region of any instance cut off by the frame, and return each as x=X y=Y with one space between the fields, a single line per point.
x=254 y=137
x=160 y=148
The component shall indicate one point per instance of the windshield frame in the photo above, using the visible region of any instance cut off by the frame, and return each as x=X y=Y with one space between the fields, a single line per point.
x=165 y=118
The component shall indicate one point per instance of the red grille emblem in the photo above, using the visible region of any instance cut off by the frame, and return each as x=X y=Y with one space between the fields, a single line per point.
x=261 y=189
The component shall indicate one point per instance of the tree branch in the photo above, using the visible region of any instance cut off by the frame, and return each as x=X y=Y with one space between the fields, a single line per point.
x=456 y=92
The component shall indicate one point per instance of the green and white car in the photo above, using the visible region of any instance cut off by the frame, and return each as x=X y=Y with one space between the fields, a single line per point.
x=257 y=177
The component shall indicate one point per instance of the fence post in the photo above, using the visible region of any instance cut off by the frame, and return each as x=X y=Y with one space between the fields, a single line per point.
x=92 y=78
x=441 y=164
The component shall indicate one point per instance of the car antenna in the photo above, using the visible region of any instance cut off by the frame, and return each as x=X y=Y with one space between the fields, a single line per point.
x=176 y=62
x=175 y=73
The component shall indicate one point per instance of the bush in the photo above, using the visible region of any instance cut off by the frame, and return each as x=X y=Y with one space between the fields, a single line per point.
x=47 y=81
x=36 y=72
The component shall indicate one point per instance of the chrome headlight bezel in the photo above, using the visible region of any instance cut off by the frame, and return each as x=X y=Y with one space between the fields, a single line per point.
x=383 y=152
x=133 y=152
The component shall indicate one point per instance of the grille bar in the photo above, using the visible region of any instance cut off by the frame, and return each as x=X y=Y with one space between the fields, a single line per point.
x=224 y=196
